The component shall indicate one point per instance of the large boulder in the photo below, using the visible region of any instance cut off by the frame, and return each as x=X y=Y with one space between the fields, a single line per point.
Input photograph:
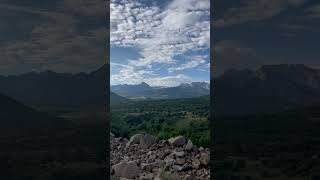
x=178 y=141
x=147 y=141
x=135 y=139
x=128 y=170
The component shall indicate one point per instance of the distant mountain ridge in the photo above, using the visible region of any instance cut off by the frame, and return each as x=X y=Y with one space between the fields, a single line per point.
x=129 y=90
x=60 y=89
x=268 y=89
x=145 y=91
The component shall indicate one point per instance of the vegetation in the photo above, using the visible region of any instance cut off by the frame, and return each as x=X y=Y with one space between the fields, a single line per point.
x=163 y=118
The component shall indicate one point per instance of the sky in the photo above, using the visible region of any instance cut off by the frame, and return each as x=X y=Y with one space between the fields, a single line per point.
x=252 y=33
x=62 y=35
x=162 y=43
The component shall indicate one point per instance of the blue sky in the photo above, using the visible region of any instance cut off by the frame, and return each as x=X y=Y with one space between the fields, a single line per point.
x=162 y=43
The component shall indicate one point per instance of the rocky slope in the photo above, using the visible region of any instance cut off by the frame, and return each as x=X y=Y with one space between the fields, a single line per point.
x=145 y=157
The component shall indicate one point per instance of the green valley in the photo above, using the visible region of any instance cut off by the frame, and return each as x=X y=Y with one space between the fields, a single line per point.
x=163 y=118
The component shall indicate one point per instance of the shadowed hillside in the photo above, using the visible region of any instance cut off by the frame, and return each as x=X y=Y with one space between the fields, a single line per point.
x=271 y=88
x=56 y=126
x=18 y=116
x=267 y=123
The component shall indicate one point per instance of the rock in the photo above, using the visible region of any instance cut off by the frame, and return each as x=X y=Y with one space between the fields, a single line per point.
x=135 y=139
x=147 y=167
x=204 y=158
x=178 y=154
x=188 y=177
x=145 y=157
x=189 y=145
x=177 y=141
x=128 y=170
x=145 y=178
x=196 y=163
x=180 y=161
x=195 y=149
x=178 y=168
x=147 y=141
x=164 y=153
x=169 y=160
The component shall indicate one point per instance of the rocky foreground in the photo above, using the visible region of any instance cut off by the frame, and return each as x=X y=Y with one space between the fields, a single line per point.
x=145 y=157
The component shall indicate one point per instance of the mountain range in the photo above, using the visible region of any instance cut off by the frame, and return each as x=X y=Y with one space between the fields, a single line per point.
x=145 y=91
x=57 y=89
x=270 y=88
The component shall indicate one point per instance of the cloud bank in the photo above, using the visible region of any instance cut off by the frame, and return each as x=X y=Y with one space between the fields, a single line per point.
x=162 y=36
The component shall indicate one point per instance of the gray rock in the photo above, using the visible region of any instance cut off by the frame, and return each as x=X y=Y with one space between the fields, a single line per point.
x=177 y=141
x=178 y=168
x=195 y=149
x=145 y=178
x=147 y=141
x=180 y=161
x=204 y=158
x=147 y=167
x=178 y=153
x=188 y=177
x=128 y=170
x=147 y=157
x=169 y=160
x=196 y=163
x=135 y=139
x=189 y=145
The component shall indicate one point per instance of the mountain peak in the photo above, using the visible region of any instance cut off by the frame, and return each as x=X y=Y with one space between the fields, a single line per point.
x=144 y=84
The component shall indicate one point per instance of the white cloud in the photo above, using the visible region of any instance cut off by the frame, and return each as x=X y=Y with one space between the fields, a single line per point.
x=129 y=75
x=194 y=62
x=169 y=81
x=161 y=34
